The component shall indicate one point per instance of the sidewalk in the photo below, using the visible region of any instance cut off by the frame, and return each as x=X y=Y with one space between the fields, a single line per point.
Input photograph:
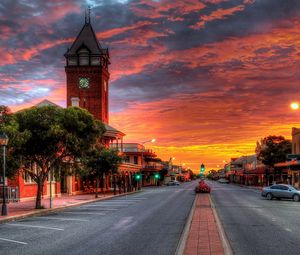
x=26 y=208
x=203 y=238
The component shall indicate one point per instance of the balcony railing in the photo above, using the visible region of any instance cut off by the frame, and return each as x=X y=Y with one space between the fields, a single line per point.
x=11 y=194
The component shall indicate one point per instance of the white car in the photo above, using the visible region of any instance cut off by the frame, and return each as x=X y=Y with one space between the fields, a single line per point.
x=173 y=183
x=223 y=180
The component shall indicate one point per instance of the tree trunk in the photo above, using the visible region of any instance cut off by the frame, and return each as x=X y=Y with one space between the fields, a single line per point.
x=97 y=185
x=102 y=184
x=38 y=202
x=114 y=184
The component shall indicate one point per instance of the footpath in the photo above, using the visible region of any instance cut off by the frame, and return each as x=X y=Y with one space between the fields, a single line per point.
x=26 y=208
x=203 y=237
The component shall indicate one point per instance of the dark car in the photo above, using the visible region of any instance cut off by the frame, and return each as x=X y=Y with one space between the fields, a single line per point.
x=281 y=191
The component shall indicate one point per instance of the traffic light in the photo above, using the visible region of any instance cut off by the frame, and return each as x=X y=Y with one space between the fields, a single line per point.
x=202 y=168
x=138 y=177
x=156 y=176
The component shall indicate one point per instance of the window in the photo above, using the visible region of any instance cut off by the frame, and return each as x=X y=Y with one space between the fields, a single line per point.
x=275 y=187
x=27 y=178
x=135 y=159
x=83 y=57
x=296 y=179
x=49 y=176
x=75 y=101
x=127 y=159
x=283 y=187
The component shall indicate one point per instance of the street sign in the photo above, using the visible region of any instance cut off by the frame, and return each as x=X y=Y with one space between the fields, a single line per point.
x=293 y=156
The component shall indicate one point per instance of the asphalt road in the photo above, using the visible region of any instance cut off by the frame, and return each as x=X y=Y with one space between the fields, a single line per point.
x=254 y=225
x=150 y=222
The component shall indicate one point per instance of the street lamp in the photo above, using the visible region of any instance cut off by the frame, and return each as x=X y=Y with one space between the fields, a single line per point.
x=3 y=143
x=295 y=106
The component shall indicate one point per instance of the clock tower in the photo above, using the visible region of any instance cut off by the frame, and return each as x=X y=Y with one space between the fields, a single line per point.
x=87 y=74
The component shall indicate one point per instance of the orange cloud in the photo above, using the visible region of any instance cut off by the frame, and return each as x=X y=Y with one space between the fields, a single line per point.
x=216 y=15
x=172 y=9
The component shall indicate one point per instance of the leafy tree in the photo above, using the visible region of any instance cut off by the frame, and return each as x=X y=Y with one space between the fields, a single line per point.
x=101 y=161
x=273 y=149
x=53 y=135
x=9 y=126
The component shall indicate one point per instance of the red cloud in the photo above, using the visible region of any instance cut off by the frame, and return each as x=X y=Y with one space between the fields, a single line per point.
x=218 y=14
x=172 y=9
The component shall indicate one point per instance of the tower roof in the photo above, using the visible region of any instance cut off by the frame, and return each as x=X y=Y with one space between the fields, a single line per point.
x=86 y=38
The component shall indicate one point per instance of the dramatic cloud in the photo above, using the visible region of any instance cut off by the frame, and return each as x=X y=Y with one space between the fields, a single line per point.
x=206 y=78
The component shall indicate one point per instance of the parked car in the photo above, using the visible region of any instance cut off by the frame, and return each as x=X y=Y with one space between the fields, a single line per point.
x=281 y=191
x=223 y=180
x=173 y=183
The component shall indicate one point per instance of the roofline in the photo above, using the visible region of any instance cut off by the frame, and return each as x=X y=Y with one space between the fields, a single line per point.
x=93 y=32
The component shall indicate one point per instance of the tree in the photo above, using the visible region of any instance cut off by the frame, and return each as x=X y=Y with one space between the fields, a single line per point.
x=53 y=135
x=271 y=150
x=9 y=126
x=101 y=161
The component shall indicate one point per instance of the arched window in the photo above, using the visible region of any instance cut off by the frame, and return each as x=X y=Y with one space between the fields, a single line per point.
x=83 y=57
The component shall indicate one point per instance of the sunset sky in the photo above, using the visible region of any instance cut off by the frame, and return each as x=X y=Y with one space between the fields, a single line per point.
x=206 y=78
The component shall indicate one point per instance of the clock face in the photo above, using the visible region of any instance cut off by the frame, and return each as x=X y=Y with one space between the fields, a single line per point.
x=84 y=83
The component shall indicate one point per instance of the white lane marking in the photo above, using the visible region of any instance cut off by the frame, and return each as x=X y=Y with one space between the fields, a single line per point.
x=34 y=226
x=56 y=218
x=89 y=213
x=123 y=223
x=128 y=200
x=288 y=229
x=12 y=241
x=117 y=203
x=136 y=198
x=103 y=205
x=100 y=209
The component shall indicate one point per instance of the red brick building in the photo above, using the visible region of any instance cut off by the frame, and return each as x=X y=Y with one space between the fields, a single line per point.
x=87 y=85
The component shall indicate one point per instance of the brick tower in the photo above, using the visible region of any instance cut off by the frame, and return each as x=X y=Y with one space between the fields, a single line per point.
x=87 y=73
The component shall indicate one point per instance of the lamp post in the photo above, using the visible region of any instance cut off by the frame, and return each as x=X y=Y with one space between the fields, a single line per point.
x=295 y=106
x=171 y=167
x=3 y=143
x=142 y=162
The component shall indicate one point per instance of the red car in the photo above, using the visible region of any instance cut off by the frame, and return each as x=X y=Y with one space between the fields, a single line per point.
x=202 y=187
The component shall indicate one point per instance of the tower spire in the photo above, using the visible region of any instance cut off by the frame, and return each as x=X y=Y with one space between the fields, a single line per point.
x=88 y=15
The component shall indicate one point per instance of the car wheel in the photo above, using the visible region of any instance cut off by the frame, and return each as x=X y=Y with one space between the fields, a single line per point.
x=269 y=196
x=296 y=198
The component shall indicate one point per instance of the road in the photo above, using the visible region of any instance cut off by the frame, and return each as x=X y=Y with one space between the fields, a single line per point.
x=149 y=222
x=254 y=225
